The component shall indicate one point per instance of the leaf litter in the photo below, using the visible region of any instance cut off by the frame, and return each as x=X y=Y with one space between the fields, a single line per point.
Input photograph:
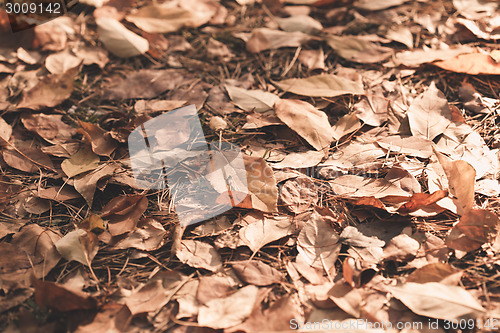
x=371 y=148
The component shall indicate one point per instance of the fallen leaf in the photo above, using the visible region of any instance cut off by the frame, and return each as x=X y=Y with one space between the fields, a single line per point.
x=476 y=227
x=5 y=131
x=163 y=18
x=86 y=184
x=436 y=272
x=416 y=58
x=252 y=100
x=49 y=127
x=102 y=142
x=150 y=106
x=349 y=123
x=461 y=178
x=228 y=311
x=347 y=298
x=358 y=49
x=199 y=255
x=421 y=200
x=321 y=86
x=38 y=244
x=299 y=194
x=429 y=114
x=112 y=317
x=411 y=145
x=119 y=40
x=472 y=64
x=143 y=83
x=50 y=91
x=265 y=231
x=123 y=213
x=261 y=39
x=214 y=287
x=437 y=300
x=319 y=244
x=261 y=185
x=148 y=236
x=401 y=248
x=305 y=120
x=378 y=5
x=301 y=23
x=27 y=159
x=55 y=296
x=62 y=62
x=83 y=161
x=256 y=273
x=78 y=245
x=92 y=55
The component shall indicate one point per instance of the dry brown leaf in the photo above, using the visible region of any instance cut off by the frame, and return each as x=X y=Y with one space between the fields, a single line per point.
x=411 y=145
x=358 y=49
x=313 y=59
x=163 y=18
x=215 y=286
x=436 y=272
x=148 y=236
x=261 y=39
x=416 y=58
x=476 y=227
x=228 y=311
x=347 y=298
x=300 y=160
x=256 y=272
x=265 y=231
x=50 y=91
x=92 y=55
x=472 y=64
x=87 y=183
x=437 y=300
x=319 y=244
x=401 y=248
x=55 y=296
x=261 y=185
x=378 y=5
x=429 y=114
x=372 y=109
x=78 y=245
x=252 y=100
x=199 y=255
x=345 y=125
x=461 y=179
x=144 y=83
x=276 y=318
x=301 y=23
x=321 y=86
x=83 y=161
x=49 y=127
x=27 y=159
x=300 y=194
x=5 y=131
x=119 y=40
x=123 y=213
x=112 y=317
x=38 y=244
x=421 y=200
x=102 y=142
x=306 y=120
x=60 y=63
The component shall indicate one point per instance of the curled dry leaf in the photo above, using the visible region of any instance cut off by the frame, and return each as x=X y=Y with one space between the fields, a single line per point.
x=421 y=201
x=78 y=245
x=119 y=40
x=476 y=227
x=306 y=120
x=437 y=300
x=321 y=86
x=102 y=142
x=461 y=179
x=123 y=213
x=60 y=63
x=199 y=255
x=256 y=273
x=261 y=185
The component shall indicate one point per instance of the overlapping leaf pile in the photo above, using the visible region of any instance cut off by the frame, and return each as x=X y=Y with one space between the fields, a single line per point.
x=371 y=147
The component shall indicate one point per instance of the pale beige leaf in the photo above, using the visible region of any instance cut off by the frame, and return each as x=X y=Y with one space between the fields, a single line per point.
x=437 y=300
x=345 y=125
x=302 y=23
x=78 y=245
x=261 y=184
x=199 y=255
x=378 y=5
x=252 y=100
x=411 y=145
x=119 y=40
x=306 y=120
x=265 y=231
x=416 y=58
x=83 y=161
x=321 y=86
x=60 y=63
x=228 y=311
x=157 y=18
x=429 y=114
